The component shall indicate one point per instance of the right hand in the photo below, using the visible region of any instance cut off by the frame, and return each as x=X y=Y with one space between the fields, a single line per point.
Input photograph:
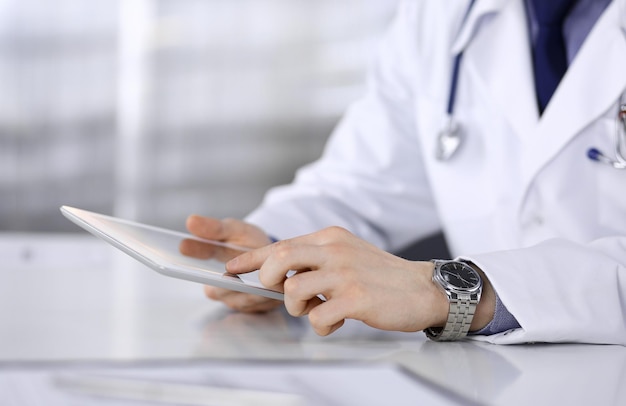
x=237 y=232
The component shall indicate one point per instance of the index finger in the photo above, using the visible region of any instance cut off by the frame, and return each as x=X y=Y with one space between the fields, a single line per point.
x=254 y=259
x=249 y=261
x=276 y=261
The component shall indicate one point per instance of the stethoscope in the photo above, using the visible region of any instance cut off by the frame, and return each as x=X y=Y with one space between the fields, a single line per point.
x=450 y=137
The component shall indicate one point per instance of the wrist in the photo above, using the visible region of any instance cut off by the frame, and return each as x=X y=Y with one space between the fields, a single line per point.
x=441 y=305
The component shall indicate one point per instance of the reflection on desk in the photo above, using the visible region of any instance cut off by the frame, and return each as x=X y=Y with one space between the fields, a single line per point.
x=100 y=306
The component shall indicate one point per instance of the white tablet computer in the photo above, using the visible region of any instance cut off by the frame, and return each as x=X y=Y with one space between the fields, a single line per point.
x=171 y=253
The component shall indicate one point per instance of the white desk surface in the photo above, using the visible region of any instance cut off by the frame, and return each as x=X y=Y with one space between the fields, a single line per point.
x=73 y=298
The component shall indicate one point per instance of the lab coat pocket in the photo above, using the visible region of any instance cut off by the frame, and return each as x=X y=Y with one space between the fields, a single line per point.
x=611 y=182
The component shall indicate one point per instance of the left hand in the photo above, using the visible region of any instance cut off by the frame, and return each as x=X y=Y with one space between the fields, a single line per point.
x=358 y=280
x=230 y=231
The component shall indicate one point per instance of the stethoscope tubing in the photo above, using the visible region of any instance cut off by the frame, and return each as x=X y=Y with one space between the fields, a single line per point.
x=456 y=67
x=620 y=142
x=451 y=133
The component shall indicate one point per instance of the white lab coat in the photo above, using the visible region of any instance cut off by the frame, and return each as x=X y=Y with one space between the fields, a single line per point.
x=520 y=199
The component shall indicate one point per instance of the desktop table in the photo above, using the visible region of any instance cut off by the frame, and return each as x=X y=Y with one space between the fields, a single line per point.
x=70 y=299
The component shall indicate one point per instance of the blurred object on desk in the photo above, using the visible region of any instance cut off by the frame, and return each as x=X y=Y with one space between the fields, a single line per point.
x=51 y=251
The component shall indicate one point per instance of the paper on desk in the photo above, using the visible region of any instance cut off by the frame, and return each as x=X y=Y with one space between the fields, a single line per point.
x=223 y=383
x=169 y=393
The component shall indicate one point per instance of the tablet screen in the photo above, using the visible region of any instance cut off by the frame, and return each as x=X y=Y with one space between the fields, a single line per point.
x=170 y=252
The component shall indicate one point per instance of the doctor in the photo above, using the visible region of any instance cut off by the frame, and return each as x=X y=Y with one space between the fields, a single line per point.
x=479 y=121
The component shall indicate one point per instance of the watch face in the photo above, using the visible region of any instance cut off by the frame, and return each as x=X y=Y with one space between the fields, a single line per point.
x=459 y=275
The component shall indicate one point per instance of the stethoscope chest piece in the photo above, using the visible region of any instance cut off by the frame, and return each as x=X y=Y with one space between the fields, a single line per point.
x=448 y=141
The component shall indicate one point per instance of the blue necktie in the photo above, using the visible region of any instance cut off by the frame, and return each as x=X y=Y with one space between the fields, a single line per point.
x=549 y=57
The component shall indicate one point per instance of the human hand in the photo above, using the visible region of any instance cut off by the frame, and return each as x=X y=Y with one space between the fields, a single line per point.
x=358 y=281
x=234 y=232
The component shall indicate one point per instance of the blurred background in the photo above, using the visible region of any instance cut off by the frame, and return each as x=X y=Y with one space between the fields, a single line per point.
x=154 y=109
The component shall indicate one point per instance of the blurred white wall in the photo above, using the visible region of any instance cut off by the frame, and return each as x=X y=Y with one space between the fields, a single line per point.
x=153 y=109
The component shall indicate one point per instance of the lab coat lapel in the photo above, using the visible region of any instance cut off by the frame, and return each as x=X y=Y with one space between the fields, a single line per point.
x=495 y=41
x=594 y=81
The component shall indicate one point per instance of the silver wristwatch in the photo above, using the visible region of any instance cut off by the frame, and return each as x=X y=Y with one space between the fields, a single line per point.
x=463 y=286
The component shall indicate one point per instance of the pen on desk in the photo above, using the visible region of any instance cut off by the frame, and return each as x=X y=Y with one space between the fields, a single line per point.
x=166 y=392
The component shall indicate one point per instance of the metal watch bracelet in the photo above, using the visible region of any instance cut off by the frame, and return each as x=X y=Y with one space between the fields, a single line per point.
x=462 y=307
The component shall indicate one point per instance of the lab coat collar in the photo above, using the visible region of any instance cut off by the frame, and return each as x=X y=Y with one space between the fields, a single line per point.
x=592 y=84
x=497 y=53
x=480 y=10
x=485 y=8
x=495 y=36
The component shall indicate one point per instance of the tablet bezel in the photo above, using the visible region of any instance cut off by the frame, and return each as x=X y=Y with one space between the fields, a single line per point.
x=103 y=226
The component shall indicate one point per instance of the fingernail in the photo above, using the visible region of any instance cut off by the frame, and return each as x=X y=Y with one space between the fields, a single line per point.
x=232 y=263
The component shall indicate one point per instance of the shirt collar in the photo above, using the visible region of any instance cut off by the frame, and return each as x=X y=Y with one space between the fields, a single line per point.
x=483 y=9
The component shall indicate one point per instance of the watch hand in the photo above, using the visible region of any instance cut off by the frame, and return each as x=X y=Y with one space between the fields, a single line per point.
x=457 y=276
x=448 y=274
x=464 y=280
